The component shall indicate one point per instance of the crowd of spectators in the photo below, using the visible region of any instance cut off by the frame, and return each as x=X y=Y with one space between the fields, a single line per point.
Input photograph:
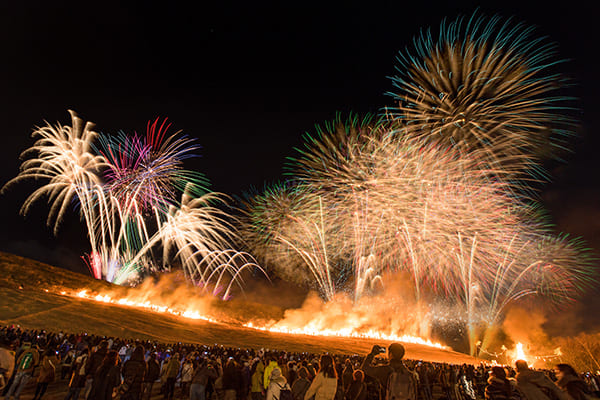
x=91 y=367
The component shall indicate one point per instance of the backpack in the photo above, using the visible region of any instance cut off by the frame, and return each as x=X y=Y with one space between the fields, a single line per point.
x=373 y=388
x=304 y=388
x=26 y=361
x=400 y=386
x=81 y=371
x=285 y=393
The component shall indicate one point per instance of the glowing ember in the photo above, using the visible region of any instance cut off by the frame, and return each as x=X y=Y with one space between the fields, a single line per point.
x=306 y=330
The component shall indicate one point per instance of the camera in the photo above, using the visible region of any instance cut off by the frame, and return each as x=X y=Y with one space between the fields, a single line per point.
x=378 y=349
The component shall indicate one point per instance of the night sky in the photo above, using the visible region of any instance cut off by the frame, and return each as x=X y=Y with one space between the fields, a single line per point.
x=248 y=79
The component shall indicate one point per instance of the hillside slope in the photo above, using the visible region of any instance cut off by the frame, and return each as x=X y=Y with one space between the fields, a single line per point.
x=30 y=296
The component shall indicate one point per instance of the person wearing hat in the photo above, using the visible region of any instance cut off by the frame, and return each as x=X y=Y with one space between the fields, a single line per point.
x=398 y=381
x=257 y=373
x=277 y=383
x=271 y=365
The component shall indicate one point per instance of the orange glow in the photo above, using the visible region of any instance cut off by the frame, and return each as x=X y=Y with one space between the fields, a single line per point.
x=306 y=329
x=518 y=353
x=146 y=305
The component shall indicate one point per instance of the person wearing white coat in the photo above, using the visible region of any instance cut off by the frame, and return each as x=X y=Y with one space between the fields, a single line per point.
x=324 y=386
x=277 y=383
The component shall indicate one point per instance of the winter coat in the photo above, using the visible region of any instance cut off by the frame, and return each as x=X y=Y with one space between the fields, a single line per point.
x=7 y=363
x=275 y=386
x=152 y=371
x=133 y=372
x=267 y=377
x=245 y=380
x=186 y=372
x=257 y=379
x=497 y=389
x=172 y=368
x=48 y=369
x=29 y=356
x=534 y=385
x=574 y=387
x=383 y=372
x=356 y=391
x=67 y=362
x=202 y=374
x=232 y=378
x=94 y=361
x=299 y=388
x=78 y=377
x=322 y=388
x=106 y=378
x=347 y=376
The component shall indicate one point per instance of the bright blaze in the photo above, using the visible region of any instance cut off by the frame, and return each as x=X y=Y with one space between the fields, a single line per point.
x=146 y=305
x=306 y=330
x=370 y=334
x=519 y=352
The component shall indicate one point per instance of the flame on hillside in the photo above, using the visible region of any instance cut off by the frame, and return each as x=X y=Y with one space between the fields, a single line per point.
x=349 y=332
x=167 y=295
x=147 y=305
x=379 y=318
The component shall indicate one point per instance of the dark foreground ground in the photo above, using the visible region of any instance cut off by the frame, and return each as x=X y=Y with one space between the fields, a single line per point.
x=58 y=390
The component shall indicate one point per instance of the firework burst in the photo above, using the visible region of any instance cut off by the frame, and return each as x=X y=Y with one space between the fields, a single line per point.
x=484 y=85
x=384 y=200
x=126 y=189
x=288 y=228
x=62 y=156
x=149 y=170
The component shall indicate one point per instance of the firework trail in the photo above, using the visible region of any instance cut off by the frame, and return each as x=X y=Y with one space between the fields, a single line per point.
x=198 y=232
x=149 y=170
x=288 y=228
x=401 y=203
x=62 y=156
x=436 y=188
x=143 y=178
x=335 y=164
x=487 y=86
x=126 y=189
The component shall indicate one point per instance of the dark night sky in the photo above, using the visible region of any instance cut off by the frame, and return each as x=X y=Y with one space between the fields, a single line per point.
x=247 y=79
